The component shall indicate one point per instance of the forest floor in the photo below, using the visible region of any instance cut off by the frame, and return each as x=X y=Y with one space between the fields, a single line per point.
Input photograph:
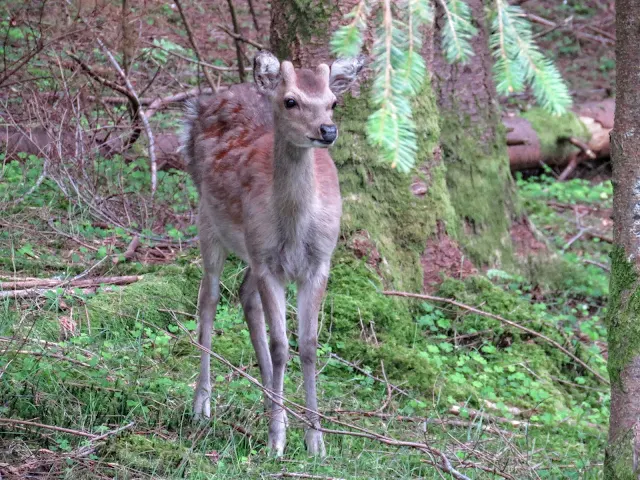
x=117 y=372
x=488 y=396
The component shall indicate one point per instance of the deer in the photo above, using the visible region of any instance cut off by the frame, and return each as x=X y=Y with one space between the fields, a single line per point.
x=269 y=194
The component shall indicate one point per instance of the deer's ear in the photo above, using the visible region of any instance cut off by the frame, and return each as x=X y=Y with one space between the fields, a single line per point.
x=266 y=71
x=344 y=73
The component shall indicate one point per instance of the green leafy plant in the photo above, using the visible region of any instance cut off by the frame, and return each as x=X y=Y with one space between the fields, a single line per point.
x=399 y=69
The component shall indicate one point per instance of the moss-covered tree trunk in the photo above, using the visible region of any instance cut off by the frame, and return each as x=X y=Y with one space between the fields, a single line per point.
x=622 y=460
x=473 y=146
x=399 y=222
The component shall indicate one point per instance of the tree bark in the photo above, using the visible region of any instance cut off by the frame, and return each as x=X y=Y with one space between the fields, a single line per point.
x=623 y=319
x=474 y=150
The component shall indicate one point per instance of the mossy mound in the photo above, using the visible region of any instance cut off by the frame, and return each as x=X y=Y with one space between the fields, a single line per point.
x=171 y=287
x=417 y=343
x=161 y=458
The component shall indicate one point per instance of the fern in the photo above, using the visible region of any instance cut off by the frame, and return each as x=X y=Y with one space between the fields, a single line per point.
x=399 y=68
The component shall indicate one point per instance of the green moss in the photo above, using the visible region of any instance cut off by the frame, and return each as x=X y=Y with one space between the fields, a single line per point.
x=481 y=188
x=622 y=314
x=378 y=199
x=158 y=457
x=551 y=129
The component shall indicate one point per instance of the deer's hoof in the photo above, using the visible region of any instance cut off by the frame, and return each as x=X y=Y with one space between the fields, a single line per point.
x=277 y=435
x=276 y=445
x=202 y=405
x=315 y=443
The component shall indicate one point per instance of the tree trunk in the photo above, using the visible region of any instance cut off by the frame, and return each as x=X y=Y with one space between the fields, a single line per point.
x=473 y=144
x=623 y=319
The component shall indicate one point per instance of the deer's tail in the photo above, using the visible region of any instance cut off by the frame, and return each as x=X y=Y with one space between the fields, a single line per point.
x=190 y=131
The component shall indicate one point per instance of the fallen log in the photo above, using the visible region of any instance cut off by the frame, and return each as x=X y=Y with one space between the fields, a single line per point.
x=535 y=138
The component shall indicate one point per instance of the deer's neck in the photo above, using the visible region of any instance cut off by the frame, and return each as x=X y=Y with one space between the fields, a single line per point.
x=294 y=188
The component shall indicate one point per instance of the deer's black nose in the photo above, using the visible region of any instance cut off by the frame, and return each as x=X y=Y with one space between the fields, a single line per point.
x=328 y=132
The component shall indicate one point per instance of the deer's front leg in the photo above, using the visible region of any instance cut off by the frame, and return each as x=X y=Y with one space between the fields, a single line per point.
x=272 y=294
x=310 y=295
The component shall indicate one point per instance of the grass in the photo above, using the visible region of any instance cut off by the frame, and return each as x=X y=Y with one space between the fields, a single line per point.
x=93 y=362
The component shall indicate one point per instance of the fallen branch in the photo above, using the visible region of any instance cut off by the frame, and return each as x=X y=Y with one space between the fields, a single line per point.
x=500 y=319
x=53 y=283
x=302 y=475
x=89 y=449
x=130 y=251
x=582 y=146
x=597 y=264
x=79 y=433
x=575 y=160
x=458 y=410
x=38 y=292
x=48 y=355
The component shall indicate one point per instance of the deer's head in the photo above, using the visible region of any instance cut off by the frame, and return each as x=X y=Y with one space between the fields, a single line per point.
x=303 y=100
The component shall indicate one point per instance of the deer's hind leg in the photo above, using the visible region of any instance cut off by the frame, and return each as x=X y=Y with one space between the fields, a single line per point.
x=213 y=258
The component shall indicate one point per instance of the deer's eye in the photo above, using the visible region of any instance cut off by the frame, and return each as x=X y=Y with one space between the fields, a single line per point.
x=335 y=104
x=289 y=103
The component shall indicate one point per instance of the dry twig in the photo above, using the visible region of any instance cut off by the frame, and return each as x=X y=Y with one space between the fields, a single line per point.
x=132 y=92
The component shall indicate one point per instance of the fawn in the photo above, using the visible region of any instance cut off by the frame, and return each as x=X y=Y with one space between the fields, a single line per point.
x=269 y=194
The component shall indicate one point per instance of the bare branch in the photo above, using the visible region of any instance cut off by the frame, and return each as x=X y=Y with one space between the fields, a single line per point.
x=236 y=36
x=194 y=45
x=236 y=29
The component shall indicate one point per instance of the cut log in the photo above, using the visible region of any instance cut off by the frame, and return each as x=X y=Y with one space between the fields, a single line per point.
x=528 y=150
